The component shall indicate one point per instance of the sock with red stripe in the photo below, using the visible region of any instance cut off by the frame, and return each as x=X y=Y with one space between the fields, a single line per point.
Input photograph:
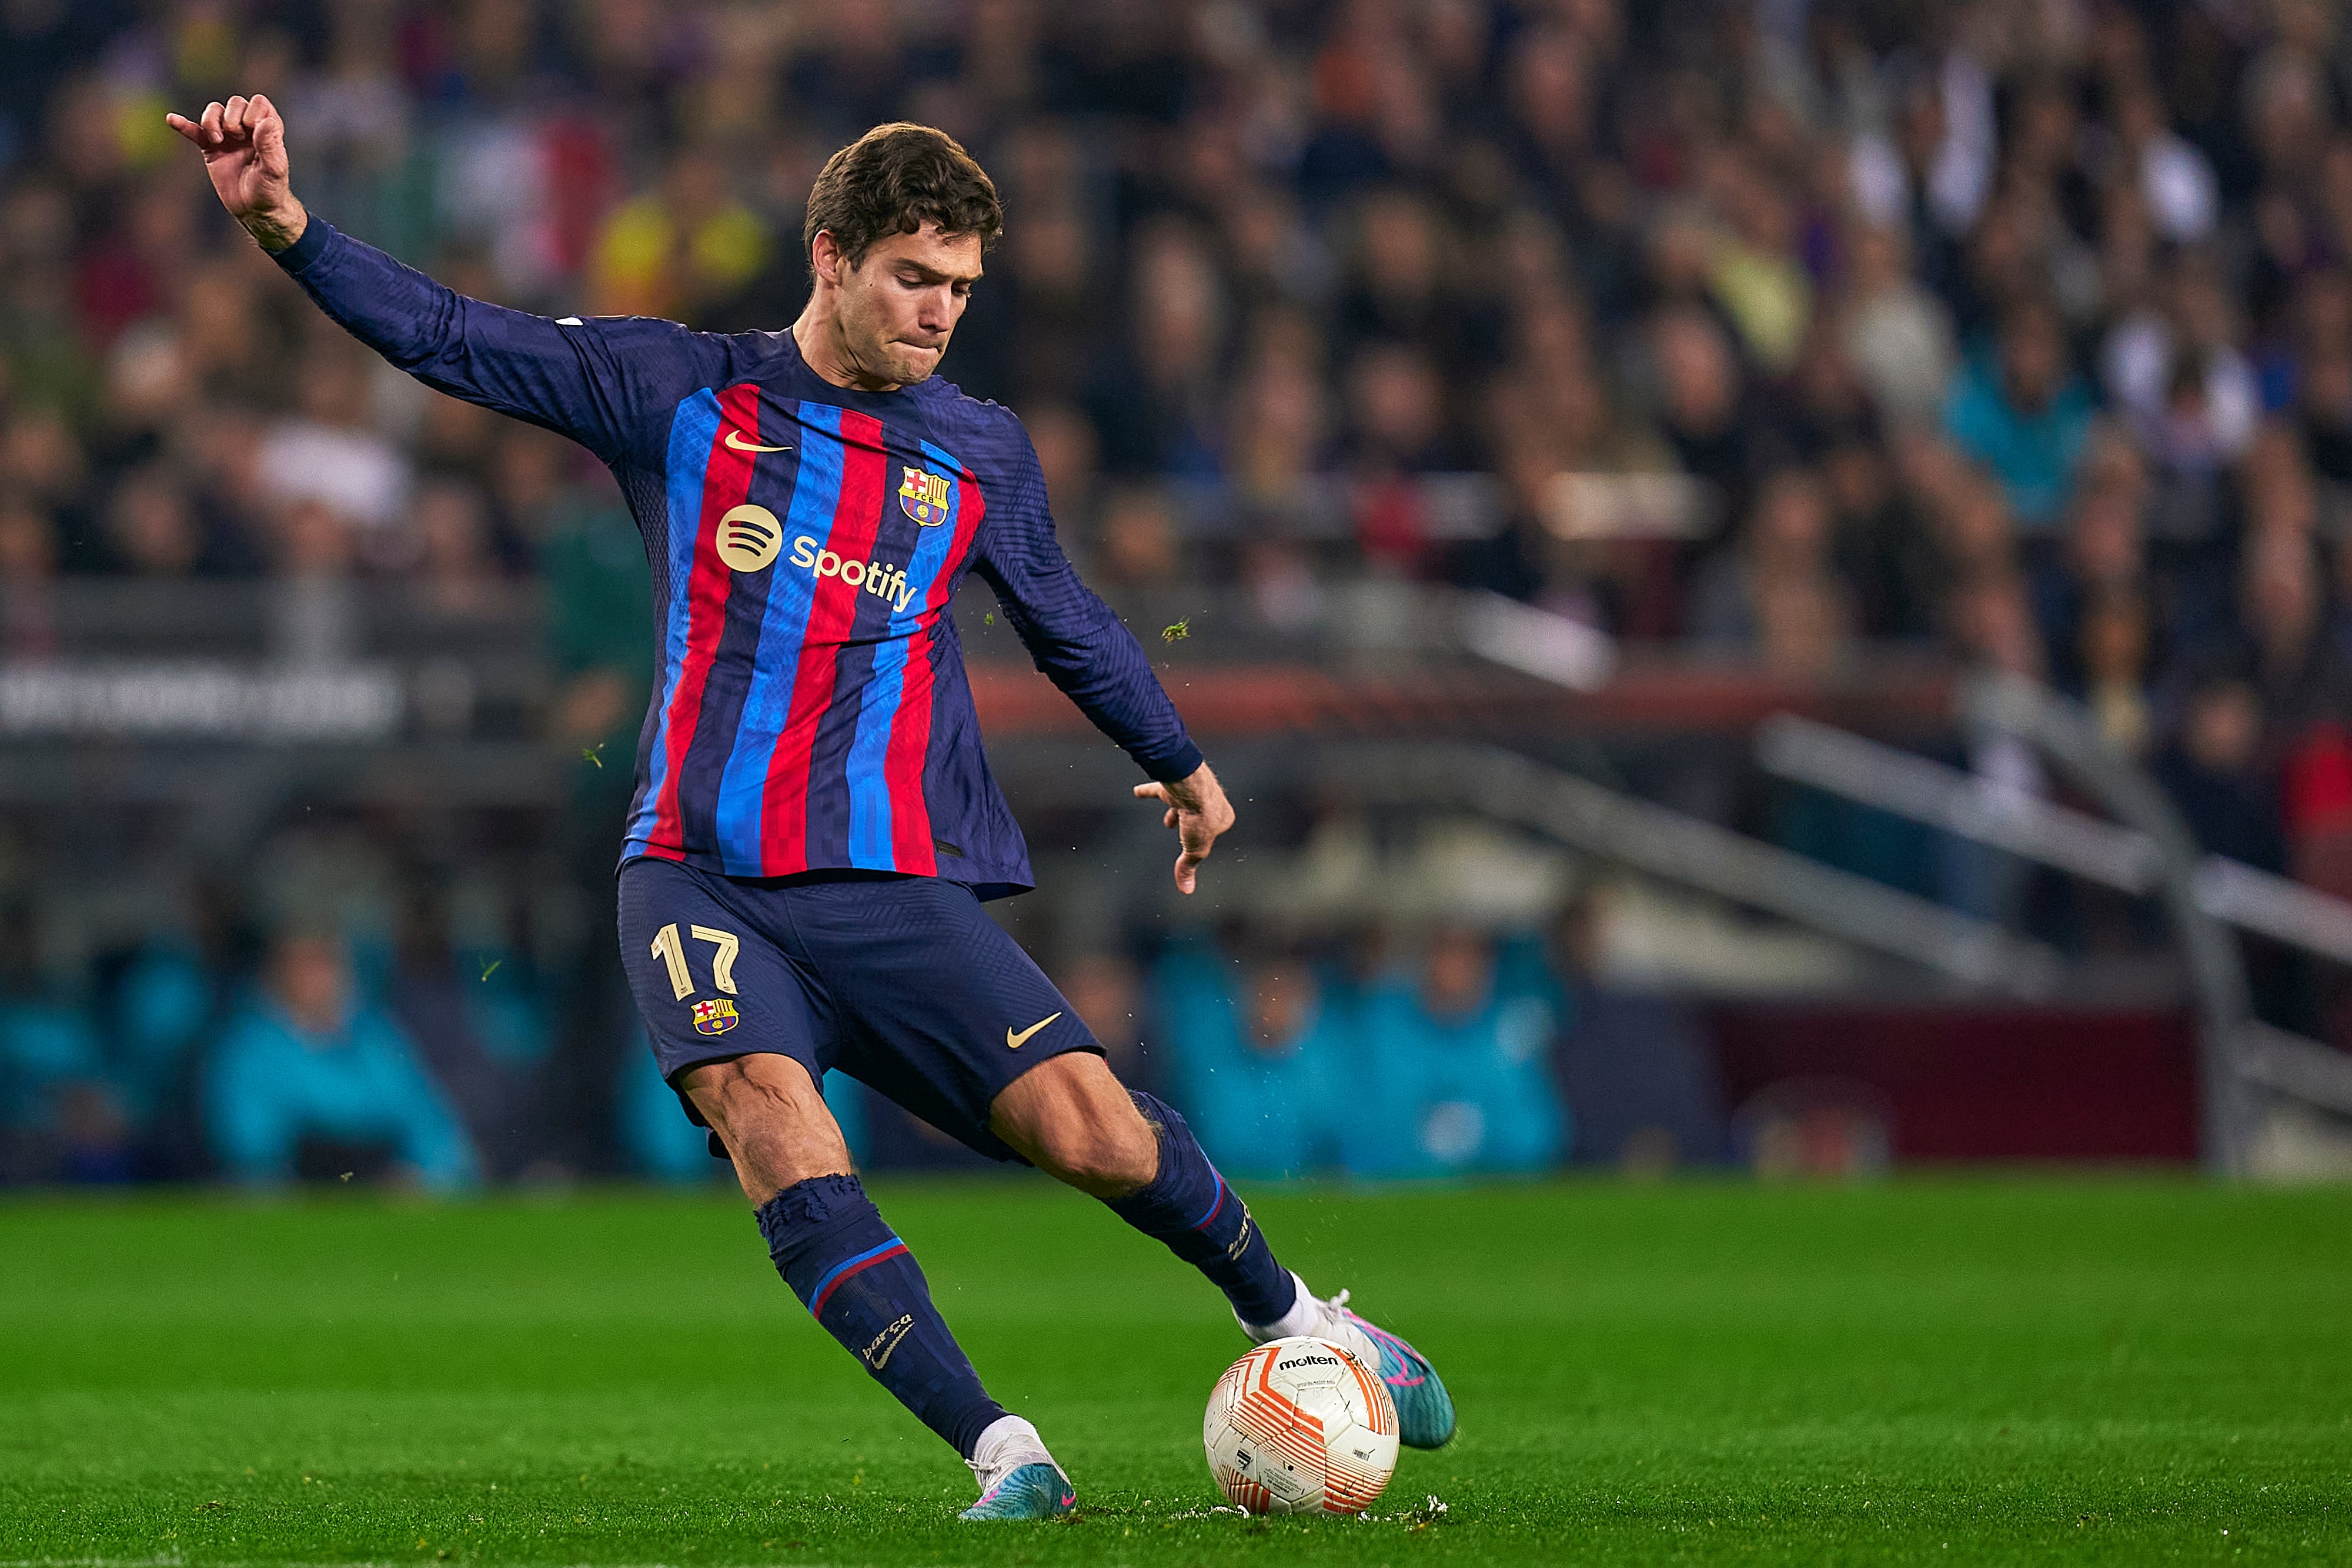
x=859 y=1281
x=1188 y=1207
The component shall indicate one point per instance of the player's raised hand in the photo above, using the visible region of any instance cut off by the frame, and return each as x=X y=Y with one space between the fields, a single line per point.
x=244 y=144
x=1198 y=811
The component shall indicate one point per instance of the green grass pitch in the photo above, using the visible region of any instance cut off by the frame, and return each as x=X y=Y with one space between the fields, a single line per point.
x=1938 y=1370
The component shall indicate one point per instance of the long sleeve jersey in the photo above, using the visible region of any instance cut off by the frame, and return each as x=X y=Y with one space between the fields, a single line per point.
x=811 y=710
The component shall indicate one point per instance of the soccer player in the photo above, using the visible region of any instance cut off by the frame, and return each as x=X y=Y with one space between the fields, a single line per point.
x=814 y=825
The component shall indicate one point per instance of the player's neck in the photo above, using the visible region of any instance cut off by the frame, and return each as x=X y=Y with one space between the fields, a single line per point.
x=818 y=335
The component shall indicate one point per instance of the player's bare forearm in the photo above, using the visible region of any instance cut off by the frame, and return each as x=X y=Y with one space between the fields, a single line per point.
x=1197 y=808
x=244 y=144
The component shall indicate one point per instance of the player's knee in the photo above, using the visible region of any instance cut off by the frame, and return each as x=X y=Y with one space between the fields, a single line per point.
x=742 y=1097
x=1107 y=1167
x=1070 y=1117
x=1106 y=1156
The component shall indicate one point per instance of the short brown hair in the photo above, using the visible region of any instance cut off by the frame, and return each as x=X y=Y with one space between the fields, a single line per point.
x=894 y=180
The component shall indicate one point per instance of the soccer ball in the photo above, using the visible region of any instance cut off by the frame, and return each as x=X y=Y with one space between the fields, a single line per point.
x=1300 y=1426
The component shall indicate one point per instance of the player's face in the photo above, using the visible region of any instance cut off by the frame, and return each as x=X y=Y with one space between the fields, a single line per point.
x=900 y=304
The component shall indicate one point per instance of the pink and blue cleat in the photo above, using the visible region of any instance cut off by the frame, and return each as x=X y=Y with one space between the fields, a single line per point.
x=1018 y=1479
x=1424 y=1410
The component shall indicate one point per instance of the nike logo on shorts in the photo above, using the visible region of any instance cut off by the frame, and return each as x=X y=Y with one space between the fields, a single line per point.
x=1015 y=1041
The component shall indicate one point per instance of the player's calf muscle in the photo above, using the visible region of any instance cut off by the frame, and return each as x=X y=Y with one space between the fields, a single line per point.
x=769 y=1113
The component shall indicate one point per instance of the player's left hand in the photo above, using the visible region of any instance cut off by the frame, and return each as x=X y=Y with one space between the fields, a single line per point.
x=1198 y=811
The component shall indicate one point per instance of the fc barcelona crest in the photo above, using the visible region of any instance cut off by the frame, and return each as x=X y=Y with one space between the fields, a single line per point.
x=924 y=497
x=714 y=1017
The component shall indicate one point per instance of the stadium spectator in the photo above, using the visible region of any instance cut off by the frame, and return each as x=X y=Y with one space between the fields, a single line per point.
x=472 y=1018
x=29 y=569
x=2111 y=653
x=169 y=997
x=2175 y=179
x=1283 y=417
x=1157 y=415
x=1774 y=596
x=452 y=549
x=1702 y=408
x=44 y=463
x=309 y=1075
x=59 y=1117
x=1137 y=544
x=1106 y=990
x=1753 y=272
x=1070 y=458
x=331 y=452
x=2103 y=560
x=2179 y=378
x=1459 y=1067
x=1898 y=334
x=153 y=531
x=2025 y=414
x=2217 y=774
x=1885 y=553
x=2280 y=636
x=681 y=252
x=1267 y=1066
x=1992 y=629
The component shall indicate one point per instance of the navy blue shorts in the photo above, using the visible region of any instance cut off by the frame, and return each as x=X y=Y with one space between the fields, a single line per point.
x=902 y=982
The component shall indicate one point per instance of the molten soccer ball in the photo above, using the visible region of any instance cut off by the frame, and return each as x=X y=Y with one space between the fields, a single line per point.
x=1299 y=1426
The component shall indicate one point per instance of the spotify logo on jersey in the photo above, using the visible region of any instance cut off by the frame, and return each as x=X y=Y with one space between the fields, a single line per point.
x=748 y=537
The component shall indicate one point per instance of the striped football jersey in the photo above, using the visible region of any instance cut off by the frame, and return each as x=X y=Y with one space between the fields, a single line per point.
x=811 y=710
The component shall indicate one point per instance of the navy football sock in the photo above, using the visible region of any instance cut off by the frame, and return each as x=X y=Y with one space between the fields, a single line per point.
x=830 y=1244
x=1205 y=1222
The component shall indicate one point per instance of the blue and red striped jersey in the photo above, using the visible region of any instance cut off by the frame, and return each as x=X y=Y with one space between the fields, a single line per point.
x=812 y=711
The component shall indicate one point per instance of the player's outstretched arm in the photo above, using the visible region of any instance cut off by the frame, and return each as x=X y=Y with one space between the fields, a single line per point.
x=1199 y=811
x=603 y=383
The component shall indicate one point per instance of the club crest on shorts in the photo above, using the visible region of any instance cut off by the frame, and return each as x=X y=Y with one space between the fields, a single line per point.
x=716 y=1016
x=924 y=497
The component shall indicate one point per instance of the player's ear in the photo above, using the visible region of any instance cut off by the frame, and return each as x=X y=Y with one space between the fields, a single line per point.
x=824 y=256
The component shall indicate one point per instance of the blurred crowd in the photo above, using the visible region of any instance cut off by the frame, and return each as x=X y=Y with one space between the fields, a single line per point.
x=308 y=1054
x=2019 y=330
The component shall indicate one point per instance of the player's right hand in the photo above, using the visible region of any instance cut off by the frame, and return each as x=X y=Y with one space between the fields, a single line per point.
x=1197 y=808
x=244 y=144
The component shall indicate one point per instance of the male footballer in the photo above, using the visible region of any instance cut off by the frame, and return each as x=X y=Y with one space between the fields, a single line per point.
x=814 y=827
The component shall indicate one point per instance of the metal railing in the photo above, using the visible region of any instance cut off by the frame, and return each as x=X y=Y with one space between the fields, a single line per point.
x=1680 y=848
x=1805 y=751
x=2147 y=852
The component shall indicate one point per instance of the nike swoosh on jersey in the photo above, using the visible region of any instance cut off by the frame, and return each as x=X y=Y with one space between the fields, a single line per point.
x=735 y=440
x=1015 y=1041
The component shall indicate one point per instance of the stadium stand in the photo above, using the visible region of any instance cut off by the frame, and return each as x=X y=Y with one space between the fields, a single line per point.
x=1773 y=358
